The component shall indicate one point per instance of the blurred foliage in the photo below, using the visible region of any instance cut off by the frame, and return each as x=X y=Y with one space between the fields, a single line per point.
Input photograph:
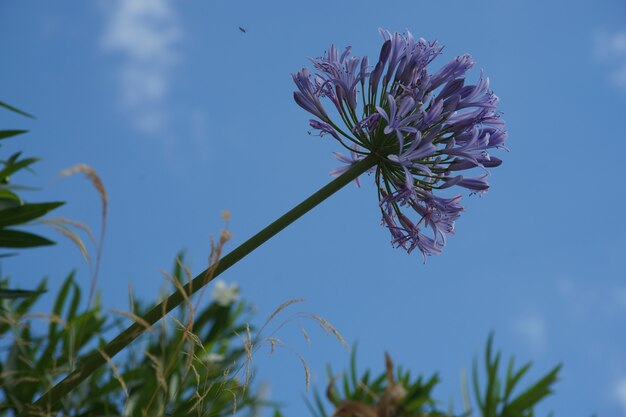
x=394 y=393
x=186 y=365
x=13 y=210
x=497 y=399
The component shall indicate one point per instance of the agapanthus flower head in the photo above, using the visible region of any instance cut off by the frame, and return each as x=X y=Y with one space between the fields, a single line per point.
x=424 y=127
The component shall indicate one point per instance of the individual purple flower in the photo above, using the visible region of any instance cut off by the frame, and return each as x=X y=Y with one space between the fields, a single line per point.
x=438 y=213
x=423 y=126
x=348 y=161
x=341 y=73
x=398 y=120
x=407 y=158
x=324 y=128
x=408 y=235
x=308 y=96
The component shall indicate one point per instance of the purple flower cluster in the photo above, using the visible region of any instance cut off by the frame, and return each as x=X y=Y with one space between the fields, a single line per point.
x=425 y=128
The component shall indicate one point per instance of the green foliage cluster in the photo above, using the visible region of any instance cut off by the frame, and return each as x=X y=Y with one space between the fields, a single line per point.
x=14 y=211
x=187 y=365
x=395 y=393
x=497 y=400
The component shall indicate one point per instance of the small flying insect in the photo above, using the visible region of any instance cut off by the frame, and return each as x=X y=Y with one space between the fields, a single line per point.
x=242 y=29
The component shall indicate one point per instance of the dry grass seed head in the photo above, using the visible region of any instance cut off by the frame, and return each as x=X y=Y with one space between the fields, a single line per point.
x=327 y=326
x=134 y=317
x=248 y=346
x=195 y=341
x=186 y=296
x=281 y=308
x=116 y=373
x=225 y=236
x=273 y=342
x=307 y=373
x=95 y=181
x=306 y=336
x=52 y=318
x=99 y=186
x=187 y=273
x=157 y=365
x=73 y=236
x=234 y=400
x=76 y=224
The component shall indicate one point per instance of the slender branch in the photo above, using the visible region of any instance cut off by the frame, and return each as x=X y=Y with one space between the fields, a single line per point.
x=51 y=400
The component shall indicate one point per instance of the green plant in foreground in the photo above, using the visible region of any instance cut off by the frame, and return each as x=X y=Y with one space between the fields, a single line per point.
x=395 y=393
x=498 y=398
x=14 y=211
x=188 y=365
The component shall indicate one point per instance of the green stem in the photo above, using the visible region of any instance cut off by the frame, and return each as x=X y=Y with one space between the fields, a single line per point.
x=50 y=400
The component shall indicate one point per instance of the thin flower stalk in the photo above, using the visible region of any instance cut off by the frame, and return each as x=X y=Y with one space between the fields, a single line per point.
x=50 y=401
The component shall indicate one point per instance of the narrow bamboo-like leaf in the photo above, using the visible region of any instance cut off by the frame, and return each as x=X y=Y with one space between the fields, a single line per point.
x=353 y=376
x=26 y=212
x=4 y=134
x=59 y=302
x=346 y=388
x=534 y=394
x=18 y=239
x=71 y=312
x=514 y=379
x=26 y=303
x=177 y=272
x=6 y=293
x=6 y=194
x=15 y=187
x=12 y=167
x=476 y=386
x=493 y=384
x=15 y=110
x=320 y=404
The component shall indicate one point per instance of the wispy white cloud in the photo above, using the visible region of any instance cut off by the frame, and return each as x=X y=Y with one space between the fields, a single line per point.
x=619 y=394
x=145 y=34
x=589 y=298
x=612 y=47
x=532 y=330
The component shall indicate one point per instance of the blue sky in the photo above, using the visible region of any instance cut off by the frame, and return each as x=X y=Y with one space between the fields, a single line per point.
x=183 y=116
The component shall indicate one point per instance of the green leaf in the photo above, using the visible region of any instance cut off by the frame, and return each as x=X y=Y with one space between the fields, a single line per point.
x=353 y=375
x=5 y=194
x=4 y=134
x=512 y=380
x=18 y=239
x=27 y=303
x=492 y=392
x=534 y=394
x=25 y=213
x=476 y=385
x=11 y=166
x=6 y=203
x=5 y=293
x=73 y=307
x=16 y=110
x=59 y=302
